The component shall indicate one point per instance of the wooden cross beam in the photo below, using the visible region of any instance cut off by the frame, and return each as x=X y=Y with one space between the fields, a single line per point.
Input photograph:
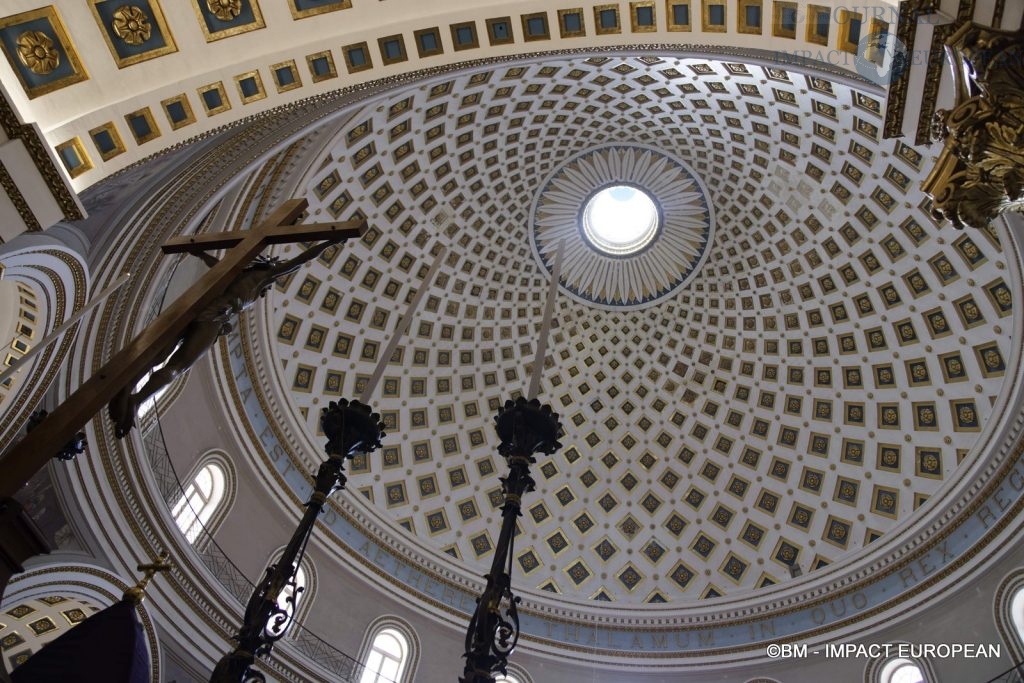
x=282 y=234
x=32 y=453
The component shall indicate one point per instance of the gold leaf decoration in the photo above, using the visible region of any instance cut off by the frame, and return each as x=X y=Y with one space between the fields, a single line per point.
x=225 y=10
x=36 y=51
x=131 y=25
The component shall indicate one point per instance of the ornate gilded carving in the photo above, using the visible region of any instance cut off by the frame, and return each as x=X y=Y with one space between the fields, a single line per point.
x=47 y=169
x=36 y=51
x=18 y=199
x=131 y=25
x=906 y=30
x=40 y=52
x=225 y=10
x=980 y=172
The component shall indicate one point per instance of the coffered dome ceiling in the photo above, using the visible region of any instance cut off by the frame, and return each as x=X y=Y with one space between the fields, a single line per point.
x=828 y=365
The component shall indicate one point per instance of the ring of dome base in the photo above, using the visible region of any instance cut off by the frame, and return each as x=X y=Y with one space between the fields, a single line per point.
x=647 y=228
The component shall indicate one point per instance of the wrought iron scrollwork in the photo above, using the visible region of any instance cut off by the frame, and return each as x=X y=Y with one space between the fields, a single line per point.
x=525 y=428
x=351 y=428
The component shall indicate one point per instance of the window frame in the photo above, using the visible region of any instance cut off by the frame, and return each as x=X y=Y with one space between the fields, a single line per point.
x=876 y=668
x=215 y=458
x=412 y=643
x=1009 y=613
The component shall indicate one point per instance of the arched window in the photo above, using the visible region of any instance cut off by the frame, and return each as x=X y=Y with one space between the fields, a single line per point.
x=1017 y=614
x=390 y=652
x=202 y=495
x=387 y=657
x=205 y=498
x=901 y=671
x=1009 y=607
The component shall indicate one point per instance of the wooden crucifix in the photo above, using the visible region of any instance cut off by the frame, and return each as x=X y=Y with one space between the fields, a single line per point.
x=153 y=344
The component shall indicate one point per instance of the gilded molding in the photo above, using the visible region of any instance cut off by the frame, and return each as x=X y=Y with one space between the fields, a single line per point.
x=48 y=365
x=906 y=30
x=36 y=147
x=930 y=91
x=30 y=41
x=18 y=199
x=129 y=29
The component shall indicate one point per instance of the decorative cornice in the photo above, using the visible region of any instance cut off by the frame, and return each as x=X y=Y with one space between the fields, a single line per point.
x=48 y=365
x=52 y=175
x=906 y=31
x=932 y=80
x=18 y=199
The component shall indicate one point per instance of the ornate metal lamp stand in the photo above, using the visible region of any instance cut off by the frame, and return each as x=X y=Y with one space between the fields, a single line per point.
x=524 y=427
x=351 y=428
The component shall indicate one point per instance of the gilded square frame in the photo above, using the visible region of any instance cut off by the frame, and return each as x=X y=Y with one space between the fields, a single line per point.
x=416 y=35
x=75 y=143
x=877 y=28
x=493 y=38
x=844 y=18
x=326 y=54
x=225 y=104
x=261 y=91
x=158 y=16
x=705 y=15
x=298 y=13
x=289 y=64
x=634 y=24
x=111 y=130
x=190 y=115
x=353 y=68
x=256 y=24
x=385 y=60
x=778 y=7
x=49 y=13
x=741 y=17
x=154 y=130
x=670 y=5
x=565 y=32
x=526 y=18
x=471 y=25
x=812 y=19
x=602 y=31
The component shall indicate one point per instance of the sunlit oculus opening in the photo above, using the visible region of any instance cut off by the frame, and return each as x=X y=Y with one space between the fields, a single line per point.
x=620 y=220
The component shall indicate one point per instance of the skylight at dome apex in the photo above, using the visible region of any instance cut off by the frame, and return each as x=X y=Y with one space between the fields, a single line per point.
x=620 y=219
